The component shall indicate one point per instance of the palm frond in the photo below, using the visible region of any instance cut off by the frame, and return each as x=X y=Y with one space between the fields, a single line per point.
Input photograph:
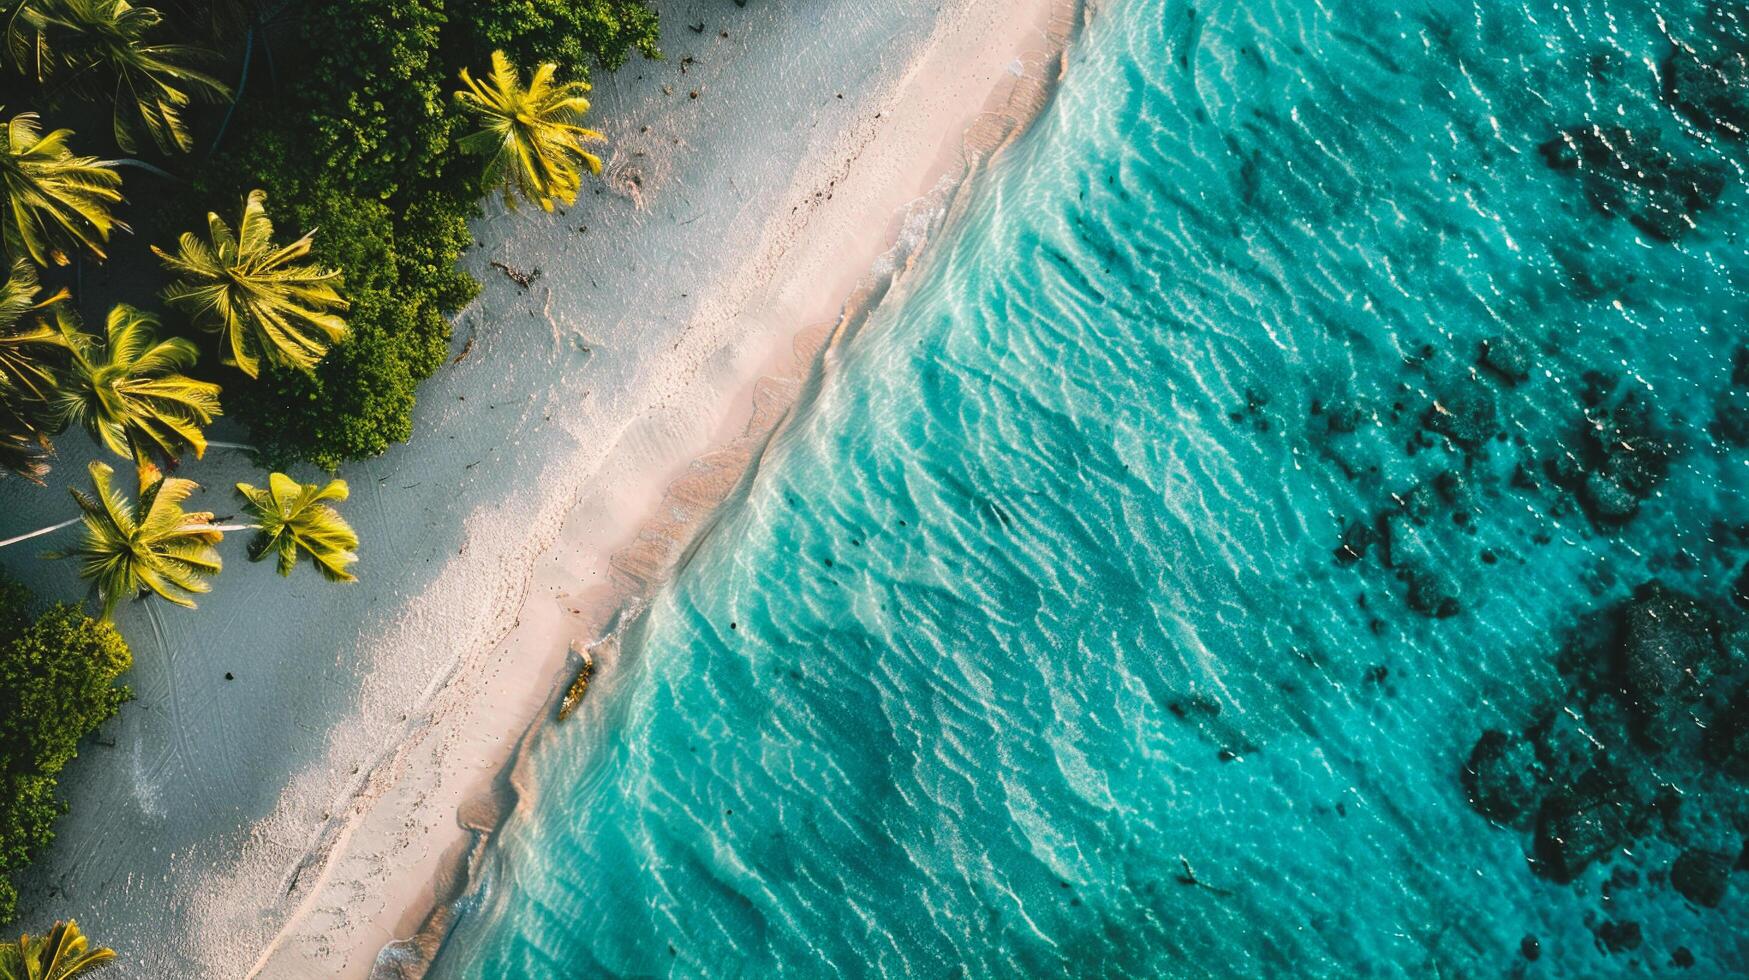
x=149 y=546
x=51 y=200
x=263 y=300
x=127 y=389
x=108 y=45
x=62 y=953
x=531 y=136
x=293 y=519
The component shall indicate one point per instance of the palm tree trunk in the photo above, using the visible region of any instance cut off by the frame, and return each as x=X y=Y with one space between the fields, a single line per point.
x=237 y=96
x=143 y=165
x=40 y=532
x=228 y=528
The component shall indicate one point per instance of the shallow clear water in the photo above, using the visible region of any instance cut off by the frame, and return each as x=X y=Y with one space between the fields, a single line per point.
x=1035 y=605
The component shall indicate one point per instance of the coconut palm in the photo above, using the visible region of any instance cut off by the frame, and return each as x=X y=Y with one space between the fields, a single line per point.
x=530 y=136
x=25 y=347
x=62 y=953
x=103 y=47
x=127 y=389
x=152 y=546
x=51 y=200
x=259 y=296
x=294 y=518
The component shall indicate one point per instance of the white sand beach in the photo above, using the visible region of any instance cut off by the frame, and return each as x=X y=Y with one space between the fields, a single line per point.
x=778 y=167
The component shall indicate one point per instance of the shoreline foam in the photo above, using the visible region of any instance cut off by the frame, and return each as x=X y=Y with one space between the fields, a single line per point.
x=411 y=880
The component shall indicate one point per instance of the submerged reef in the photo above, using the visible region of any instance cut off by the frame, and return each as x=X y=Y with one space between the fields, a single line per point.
x=1632 y=175
x=1647 y=740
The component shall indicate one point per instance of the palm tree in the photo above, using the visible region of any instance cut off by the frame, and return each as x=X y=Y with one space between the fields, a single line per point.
x=153 y=546
x=60 y=954
x=100 y=41
x=530 y=136
x=293 y=518
x=24 y=371
x=128 y=391
x=51 y=200
x=256 y=294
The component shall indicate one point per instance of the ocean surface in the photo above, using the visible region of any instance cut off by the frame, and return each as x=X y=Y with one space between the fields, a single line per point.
x=1031 y=648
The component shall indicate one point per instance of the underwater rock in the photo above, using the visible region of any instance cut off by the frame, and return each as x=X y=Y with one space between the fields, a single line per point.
x=1464 y=414
x=1627 y=456
x=1453 y=489
x=1641 y=744
x=1507 y=358
x=1619 y=937
x=1731 y=419
x=1343 y=418
x=1430 y=593
x=1740 y=366
x=1504 y=779
x=1580 y=823
x=1597 y=386
x=1702 y=877
x=1713 y=94
x=1670 y=653
x=1356 y=539
x=1404 y=538
x=1626 y=174
x=1727 y=742
x=1636 y=448
x=1565 y=745
x=1607 y=501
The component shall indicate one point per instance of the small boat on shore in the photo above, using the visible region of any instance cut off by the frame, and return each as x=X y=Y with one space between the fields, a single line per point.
x=574 y=695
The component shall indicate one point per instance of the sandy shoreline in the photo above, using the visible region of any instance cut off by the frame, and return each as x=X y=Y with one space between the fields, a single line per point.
x=856 y=214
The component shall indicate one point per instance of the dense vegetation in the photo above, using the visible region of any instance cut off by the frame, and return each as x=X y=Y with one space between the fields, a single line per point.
x=344 y=113
x=365 y=145
x=57 y=684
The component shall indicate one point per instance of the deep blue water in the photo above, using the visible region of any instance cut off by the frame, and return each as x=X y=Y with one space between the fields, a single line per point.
x=1036 y=605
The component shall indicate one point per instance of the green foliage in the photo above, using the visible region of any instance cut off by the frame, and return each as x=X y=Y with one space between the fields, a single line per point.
x=577 y=35
x=401 y=281
x=57 y=684
x=127 y=389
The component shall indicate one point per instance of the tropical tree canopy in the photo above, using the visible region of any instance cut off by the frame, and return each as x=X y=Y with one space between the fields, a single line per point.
x=259 y=296
x=51 y=200
x=127 y=389
x=25 y=345
x=103 y=47
x=59 y=954
x=293 y=518
x=531 y=137
x=130 y=549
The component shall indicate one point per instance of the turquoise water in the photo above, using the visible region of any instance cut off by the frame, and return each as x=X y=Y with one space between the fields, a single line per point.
x=1027 y=651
